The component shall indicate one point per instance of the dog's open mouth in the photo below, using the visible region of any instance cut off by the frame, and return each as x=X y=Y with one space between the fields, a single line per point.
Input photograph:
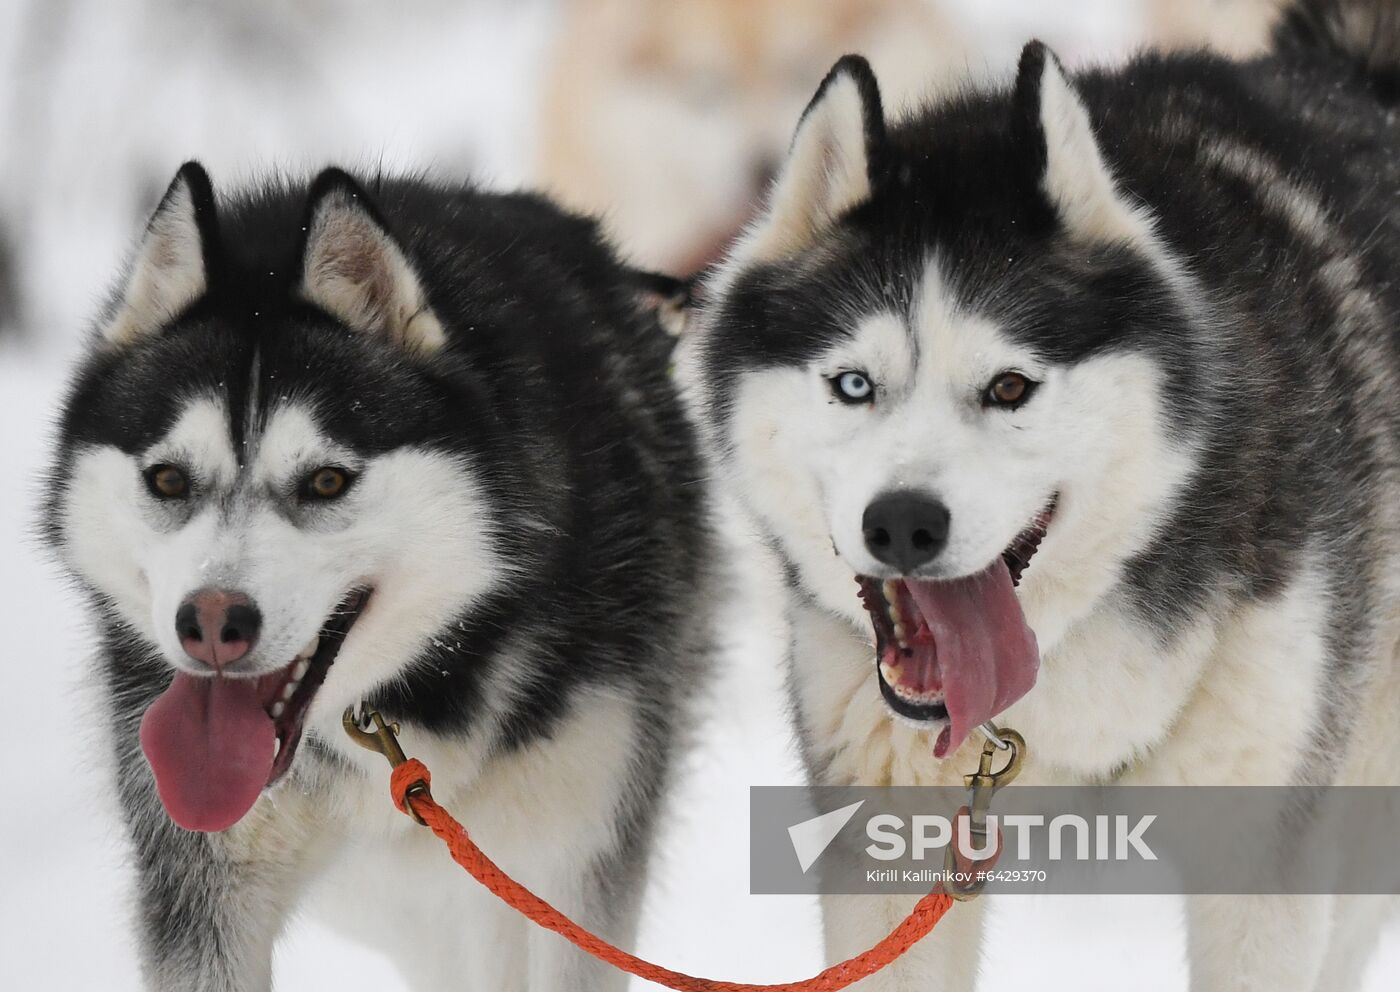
x=287 y=694
x=955 y=652
x=216 y=742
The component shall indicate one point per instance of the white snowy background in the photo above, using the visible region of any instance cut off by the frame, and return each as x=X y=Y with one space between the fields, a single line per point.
x=100 y=102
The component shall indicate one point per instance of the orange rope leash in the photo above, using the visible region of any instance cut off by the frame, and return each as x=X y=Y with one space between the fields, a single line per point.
x=409 y=787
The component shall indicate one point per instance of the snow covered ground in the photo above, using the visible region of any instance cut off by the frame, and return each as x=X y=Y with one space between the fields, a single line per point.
x=63 y=915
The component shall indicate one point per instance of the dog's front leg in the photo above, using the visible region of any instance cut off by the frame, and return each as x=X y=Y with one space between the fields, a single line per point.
x=944 y=961
x=1267 y=943
x=210 y=906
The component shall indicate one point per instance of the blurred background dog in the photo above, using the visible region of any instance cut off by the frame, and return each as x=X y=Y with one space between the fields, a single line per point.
x=669 y=118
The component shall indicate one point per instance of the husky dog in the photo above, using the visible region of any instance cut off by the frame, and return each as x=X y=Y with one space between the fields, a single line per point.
x=406 y=444
x=1126 y=338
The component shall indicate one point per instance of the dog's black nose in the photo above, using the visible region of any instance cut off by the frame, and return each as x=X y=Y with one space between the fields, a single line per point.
x=905 y=530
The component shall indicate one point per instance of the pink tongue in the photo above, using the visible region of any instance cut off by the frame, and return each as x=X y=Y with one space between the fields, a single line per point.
x=210 y=744
x=986 y=653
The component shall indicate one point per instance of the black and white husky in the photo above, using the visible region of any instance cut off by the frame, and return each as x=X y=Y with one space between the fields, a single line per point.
x=1130 y=339
x=400 y=443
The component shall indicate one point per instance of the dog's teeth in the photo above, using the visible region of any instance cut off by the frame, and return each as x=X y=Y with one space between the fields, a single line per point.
x=310 y=648
x=277 y=709
x=300 y=670
x=892 y=604
x=901 y=634
x=890 y=673
x=289 y=690
x=277 y=747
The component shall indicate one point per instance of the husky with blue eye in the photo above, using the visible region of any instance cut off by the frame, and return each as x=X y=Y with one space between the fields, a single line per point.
x=1073 y=403
x=403 y=443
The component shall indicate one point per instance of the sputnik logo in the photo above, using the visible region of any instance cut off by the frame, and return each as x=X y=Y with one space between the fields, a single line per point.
x=811 y=838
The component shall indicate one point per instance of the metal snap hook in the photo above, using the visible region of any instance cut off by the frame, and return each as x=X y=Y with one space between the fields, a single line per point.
x=984 y=783
x=382 y=739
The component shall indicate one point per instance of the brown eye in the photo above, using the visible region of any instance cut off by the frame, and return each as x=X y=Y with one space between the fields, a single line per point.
x=1010 y=389
x=326 y=483
x=167 y=482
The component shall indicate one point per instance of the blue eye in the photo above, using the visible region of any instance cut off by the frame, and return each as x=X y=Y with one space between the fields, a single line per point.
x=853 y=387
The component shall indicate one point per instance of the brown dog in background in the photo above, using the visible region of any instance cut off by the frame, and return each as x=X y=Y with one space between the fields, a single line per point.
x=669 y=118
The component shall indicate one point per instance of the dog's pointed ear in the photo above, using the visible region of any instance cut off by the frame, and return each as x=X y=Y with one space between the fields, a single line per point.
x=831 y=166
x=355 y=270
x=1055 y=132
x=171 y=268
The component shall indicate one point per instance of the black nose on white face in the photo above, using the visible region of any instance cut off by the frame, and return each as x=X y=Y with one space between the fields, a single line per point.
x=217 y=626
x=905 y=530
